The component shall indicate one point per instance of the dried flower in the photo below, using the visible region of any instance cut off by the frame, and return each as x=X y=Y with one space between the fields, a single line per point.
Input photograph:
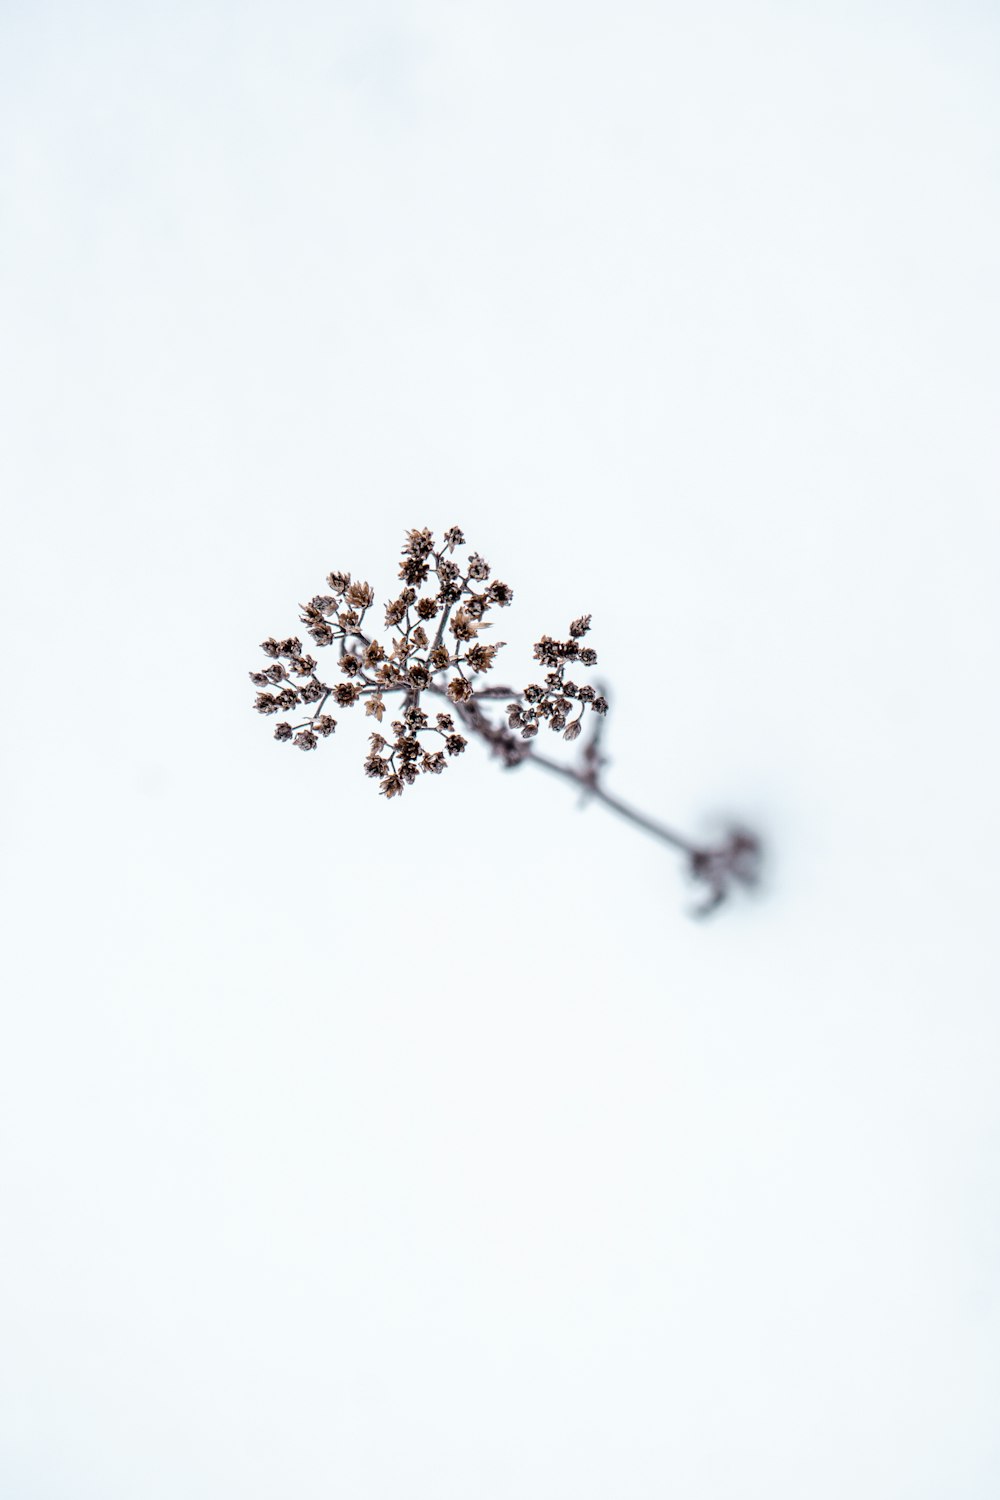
x=547 y=651
x=480 y=658
x=360 y=595
x=419 y=664
x=418 y=544
x=463 y=626
x=459 y=690
x=412 y=570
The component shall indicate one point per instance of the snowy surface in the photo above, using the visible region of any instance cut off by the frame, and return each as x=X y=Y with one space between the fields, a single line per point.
x=428 y=1149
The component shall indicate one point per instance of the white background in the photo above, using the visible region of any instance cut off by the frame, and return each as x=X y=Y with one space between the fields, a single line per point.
x=428 y=1148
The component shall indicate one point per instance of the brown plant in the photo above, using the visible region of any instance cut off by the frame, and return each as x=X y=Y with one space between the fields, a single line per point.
x=432 y=649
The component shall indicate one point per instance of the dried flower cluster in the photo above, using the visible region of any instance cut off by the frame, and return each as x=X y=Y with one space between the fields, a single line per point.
x=431 y=646
x=554 y=702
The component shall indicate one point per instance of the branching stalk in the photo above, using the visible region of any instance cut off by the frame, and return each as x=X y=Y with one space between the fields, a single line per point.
x=412 y=663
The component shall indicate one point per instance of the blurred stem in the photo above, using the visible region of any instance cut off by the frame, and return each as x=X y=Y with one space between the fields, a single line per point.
x=717 y=868
x=593 y=789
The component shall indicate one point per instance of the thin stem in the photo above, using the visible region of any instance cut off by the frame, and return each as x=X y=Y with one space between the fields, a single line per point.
x=439 y=633
x=594 y=789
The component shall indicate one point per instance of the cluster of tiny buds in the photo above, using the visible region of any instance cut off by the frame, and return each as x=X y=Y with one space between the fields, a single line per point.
x=553 y=702
x=432 y=646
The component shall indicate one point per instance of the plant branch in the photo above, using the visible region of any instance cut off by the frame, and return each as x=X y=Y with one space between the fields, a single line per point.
x=594 y=789
x=416 y=666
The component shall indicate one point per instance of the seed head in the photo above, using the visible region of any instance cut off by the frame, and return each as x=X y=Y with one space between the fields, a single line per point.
x=459 y=690
x=431 y=637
